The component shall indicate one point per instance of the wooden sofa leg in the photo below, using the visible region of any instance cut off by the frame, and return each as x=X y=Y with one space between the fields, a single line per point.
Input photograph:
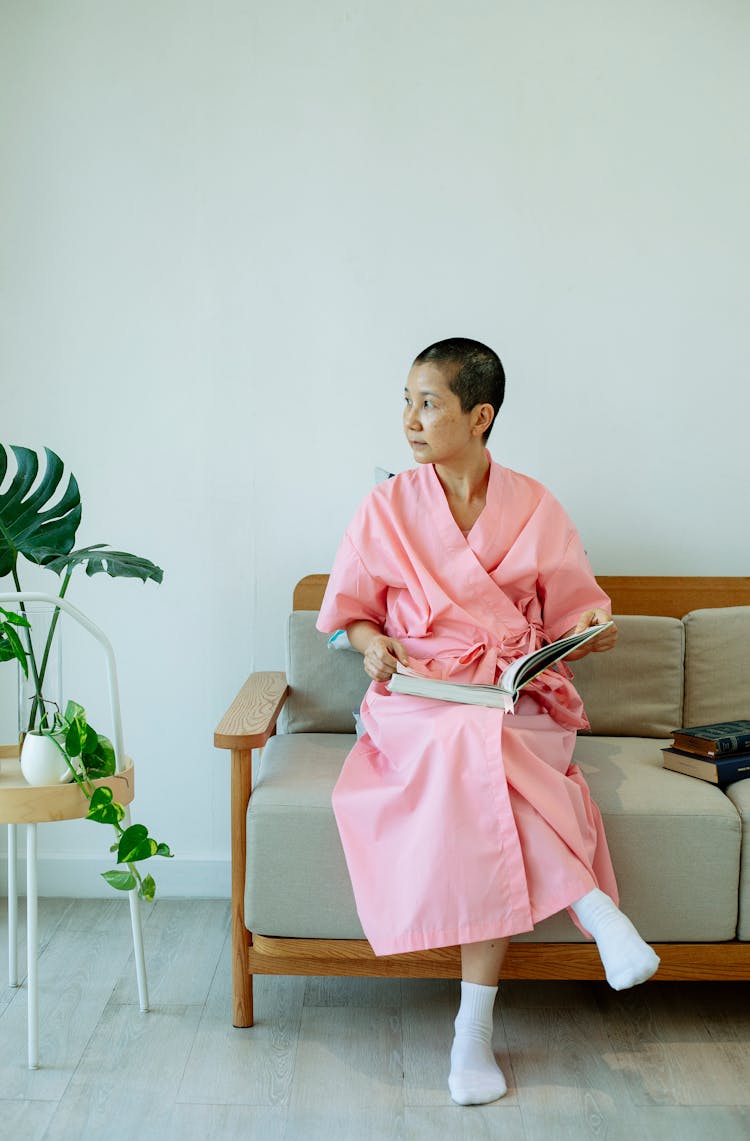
x=242 y=980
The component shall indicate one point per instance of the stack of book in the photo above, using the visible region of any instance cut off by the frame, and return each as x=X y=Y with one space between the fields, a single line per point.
x=719 y=753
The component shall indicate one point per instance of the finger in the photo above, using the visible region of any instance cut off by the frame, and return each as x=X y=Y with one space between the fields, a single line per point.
x=584 y=621
x=400 y=653
x=606 y=641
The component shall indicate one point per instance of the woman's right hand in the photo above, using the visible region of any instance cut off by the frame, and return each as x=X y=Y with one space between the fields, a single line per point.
x=381 y=657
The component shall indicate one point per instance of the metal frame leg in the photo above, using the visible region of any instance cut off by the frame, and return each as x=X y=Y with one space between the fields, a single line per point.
x=12 y=906
x=135 y=923
x=32 y=947
x=140 y=961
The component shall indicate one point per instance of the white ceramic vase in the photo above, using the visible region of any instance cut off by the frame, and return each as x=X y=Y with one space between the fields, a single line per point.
x=42 y=762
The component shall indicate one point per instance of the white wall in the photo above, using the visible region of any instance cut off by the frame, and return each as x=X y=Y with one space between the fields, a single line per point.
x=226 y=229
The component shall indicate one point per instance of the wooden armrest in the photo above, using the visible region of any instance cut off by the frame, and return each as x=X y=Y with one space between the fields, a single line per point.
x=251 y=718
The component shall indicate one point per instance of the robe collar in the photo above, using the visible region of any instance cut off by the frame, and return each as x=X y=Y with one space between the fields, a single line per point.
x=451 y=533
x=482 y=598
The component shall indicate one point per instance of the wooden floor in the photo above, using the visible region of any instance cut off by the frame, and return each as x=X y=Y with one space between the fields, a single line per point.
x=341 y=1059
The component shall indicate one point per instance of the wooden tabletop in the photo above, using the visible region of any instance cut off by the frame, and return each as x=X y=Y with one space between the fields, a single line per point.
x=22 y=803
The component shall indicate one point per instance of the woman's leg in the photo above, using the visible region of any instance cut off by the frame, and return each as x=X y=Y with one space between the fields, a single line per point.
x=475 y=1076
x=481 y=962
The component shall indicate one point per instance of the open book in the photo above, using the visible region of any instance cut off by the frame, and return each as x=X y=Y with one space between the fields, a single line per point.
x=512 y=680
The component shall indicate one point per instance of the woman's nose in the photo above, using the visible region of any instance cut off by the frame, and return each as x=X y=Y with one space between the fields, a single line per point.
x=410 y=417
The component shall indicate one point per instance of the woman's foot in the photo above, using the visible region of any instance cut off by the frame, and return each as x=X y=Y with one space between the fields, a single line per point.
x=626 y=958
x=475 y=1076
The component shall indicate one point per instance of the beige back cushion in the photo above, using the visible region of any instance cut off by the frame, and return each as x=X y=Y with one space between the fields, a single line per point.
x=635 y=690
x=325 y=685
x=717 y=665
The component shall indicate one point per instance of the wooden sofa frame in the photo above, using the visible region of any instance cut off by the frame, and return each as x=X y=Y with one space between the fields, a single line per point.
x=251 y=720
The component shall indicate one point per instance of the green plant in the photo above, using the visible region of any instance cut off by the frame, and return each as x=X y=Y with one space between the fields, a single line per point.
x=11 y=646
x=40 y=524
x=90 y=756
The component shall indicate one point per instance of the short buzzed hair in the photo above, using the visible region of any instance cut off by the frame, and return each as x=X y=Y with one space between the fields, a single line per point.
x=479 y=377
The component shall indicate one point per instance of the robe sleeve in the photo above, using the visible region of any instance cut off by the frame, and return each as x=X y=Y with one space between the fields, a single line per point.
x=353 y=592
x=569 y=590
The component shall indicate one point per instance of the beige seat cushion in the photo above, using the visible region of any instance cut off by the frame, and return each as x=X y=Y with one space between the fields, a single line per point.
x=675 y=843
x=297 y=883
x=739 y=794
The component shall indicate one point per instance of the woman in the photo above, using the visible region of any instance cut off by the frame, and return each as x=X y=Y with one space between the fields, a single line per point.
x=461 y=824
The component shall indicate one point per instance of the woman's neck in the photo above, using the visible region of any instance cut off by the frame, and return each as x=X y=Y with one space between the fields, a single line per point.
x=466 y=483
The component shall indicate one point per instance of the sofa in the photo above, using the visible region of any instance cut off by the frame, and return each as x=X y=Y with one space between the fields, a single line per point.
x=680 y=846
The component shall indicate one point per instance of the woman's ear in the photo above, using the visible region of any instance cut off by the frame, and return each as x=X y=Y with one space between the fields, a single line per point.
x=483 y=415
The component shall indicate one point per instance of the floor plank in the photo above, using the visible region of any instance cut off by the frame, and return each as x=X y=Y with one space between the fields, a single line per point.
x=344 y=1123
x=667 y=1054
x=252 y=1066
x=350 y=1059
x=49 y=914
x=225 y=1122
x=182 y=946
x=129 y=1075
x=686 y=1123
x=561 y=1072
x=26 y=1120
x=466 y=1123
x=76 y=978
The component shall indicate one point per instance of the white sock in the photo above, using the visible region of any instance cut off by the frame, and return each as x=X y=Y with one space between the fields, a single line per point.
x=475 y=1076
x=627 y=959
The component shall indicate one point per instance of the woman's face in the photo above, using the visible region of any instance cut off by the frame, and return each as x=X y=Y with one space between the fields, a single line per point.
x=438 y=431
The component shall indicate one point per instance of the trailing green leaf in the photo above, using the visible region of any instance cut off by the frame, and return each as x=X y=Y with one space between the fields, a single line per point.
x=105 y=755
x=73 y=710
x=123 y=881
x=91 y=755
x=103 y=808
x=135 y=845
x=73 y=739
x=100 y=764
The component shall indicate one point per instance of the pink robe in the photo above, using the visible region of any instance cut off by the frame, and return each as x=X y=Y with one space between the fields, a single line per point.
x=458 y=822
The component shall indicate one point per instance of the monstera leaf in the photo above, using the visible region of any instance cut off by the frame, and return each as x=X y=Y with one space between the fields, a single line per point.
x=117 y=564
x=41 y=525
x=36 y=524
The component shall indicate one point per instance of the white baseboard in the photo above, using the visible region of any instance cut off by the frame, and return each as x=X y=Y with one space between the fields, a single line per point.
x=78 y=877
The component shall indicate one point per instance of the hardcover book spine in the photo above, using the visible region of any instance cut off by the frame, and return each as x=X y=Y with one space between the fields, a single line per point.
x=719 y=746
x=734 y=744
x=720 y=771
x=728 y=771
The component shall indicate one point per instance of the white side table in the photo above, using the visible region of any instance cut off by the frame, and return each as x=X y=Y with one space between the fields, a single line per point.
x=20 y=803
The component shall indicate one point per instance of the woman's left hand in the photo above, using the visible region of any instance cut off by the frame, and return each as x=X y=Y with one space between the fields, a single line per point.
x=605 y=641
